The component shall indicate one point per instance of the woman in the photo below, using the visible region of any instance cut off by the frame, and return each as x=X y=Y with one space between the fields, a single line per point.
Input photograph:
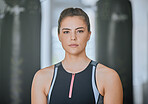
x=76 y=79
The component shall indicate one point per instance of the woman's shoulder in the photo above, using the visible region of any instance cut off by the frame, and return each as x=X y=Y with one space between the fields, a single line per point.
x=105 y=70
x=42 y=79
x=45 y=72
x=109 y=83
x=107 y=76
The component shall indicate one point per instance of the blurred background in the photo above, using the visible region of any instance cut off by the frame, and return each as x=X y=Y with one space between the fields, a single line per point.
x=29 y=42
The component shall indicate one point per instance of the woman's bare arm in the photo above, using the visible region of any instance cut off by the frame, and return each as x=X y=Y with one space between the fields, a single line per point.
x=40 y=86
x=111 y=86
x=113 y=89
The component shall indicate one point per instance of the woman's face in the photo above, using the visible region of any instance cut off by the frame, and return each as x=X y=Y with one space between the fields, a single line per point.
x=74 y=35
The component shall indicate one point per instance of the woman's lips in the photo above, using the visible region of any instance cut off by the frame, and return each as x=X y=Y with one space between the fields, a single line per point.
x=73 y=45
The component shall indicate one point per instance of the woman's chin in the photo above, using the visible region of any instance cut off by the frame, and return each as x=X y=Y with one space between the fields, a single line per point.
x=74 y=52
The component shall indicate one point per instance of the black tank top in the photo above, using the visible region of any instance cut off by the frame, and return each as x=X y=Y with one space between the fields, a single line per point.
x=78 y=88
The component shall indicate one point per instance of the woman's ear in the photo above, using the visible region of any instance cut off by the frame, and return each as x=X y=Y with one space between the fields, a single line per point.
x=89 y=35
x=59 y=37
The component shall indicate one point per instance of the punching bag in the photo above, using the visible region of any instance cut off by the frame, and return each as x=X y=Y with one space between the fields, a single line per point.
x=114 y=41
x=20 y=50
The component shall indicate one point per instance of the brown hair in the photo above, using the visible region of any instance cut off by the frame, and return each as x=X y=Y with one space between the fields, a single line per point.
x=73 y=12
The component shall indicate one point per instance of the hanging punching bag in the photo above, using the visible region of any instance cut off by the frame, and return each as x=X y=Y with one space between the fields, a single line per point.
x=20 y=50
x=114 y=40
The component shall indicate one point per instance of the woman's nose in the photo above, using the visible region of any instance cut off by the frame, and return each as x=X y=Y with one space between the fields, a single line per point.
x=73 y=36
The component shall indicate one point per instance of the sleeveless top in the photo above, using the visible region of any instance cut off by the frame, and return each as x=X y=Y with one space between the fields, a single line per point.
x=78 y=88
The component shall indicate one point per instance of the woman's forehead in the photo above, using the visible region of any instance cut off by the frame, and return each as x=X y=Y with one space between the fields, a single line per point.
x=75 y=22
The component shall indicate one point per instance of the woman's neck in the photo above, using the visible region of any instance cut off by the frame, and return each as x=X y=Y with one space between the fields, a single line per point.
x=75 y=63
x=70 y=58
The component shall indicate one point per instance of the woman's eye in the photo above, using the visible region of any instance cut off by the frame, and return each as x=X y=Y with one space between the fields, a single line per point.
x=80 y=31
x=65 y=32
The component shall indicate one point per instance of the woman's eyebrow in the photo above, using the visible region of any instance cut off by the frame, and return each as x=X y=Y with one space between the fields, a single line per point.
x=66 y=29
x=75 y=29
x=80 y=28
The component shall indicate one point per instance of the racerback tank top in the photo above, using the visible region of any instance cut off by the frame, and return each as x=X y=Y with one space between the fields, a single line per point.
x=78 y=88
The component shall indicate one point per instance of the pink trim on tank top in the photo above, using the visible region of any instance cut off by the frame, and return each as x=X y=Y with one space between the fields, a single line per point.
x=71 y=85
